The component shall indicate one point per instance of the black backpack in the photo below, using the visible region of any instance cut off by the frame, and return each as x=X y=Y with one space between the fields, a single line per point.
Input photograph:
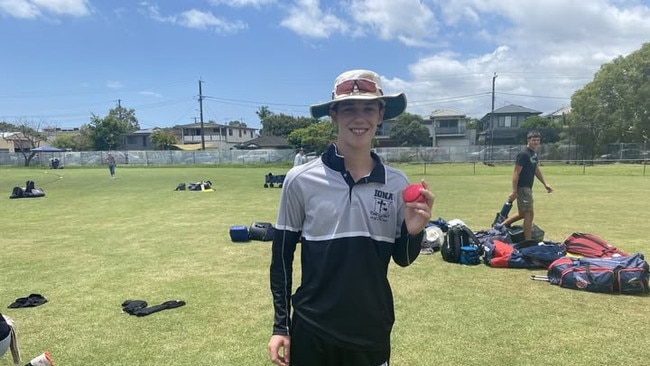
x=461 y=245
x=29 y=186
x=261 y=231
x=17 y=192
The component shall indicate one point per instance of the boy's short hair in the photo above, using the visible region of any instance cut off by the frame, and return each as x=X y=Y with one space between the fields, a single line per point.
x=533 y=134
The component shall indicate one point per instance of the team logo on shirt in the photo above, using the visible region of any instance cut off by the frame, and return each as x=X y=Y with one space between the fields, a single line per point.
x=381 y=209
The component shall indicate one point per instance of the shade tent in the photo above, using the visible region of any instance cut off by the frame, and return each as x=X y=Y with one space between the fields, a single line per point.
x=47 y=148
x=51 y=152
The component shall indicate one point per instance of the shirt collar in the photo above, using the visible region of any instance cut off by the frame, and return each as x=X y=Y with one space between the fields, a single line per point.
x=333 y=160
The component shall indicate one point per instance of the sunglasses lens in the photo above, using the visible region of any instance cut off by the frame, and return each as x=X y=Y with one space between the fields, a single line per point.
x=356 y=85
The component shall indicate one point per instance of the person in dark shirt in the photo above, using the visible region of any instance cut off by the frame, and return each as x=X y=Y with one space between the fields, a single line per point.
x=5 y=335
x=111 y=164
x=8 y=340
x=526 y=169
x=347 y=211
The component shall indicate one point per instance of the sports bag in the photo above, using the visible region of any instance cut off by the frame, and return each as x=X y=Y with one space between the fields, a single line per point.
x=459 y=236
x=516 y=233
x=432 y=239
x=261 y=231
x=618 y=275
x=499 y=254
x=591 y=246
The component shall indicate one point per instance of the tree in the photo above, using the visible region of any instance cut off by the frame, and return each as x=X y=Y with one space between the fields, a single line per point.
x=315 y=137
x=163 y=139
x=26 y=137
x=127 y=116
x=237 y=124
x=263 y=113
x=473 y=123
x=536 y=122
x=282 y=125
x=79 y=142
x=615 y=106
x=107 y=133
x=409 y=130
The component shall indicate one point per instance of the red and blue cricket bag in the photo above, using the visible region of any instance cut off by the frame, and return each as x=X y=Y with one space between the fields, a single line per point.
x=591 y=246
x=499 y=254
x=616 y=275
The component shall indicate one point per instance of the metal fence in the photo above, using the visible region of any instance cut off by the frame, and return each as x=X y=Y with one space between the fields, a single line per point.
x=449 y=154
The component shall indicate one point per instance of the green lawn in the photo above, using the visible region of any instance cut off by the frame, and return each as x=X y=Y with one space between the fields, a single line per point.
x=92 y=243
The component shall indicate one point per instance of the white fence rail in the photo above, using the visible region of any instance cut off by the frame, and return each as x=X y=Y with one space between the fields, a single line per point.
x=449 y=154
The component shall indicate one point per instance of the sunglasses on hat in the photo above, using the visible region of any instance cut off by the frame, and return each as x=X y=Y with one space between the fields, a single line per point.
x=356 y=86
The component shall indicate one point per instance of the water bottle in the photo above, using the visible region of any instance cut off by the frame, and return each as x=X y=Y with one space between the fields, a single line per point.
x=505 y=210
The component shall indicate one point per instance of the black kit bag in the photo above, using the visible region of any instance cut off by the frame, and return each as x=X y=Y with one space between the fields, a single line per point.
x=261 y=231
x=516 y=233
x=458 y=240
x=17 y=192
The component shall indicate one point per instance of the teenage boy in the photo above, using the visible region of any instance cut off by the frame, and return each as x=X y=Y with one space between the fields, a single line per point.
x=526 y=169
x=347 y=211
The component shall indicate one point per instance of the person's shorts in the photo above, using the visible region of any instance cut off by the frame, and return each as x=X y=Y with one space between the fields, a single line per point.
x=309 y=349
x=525 y=199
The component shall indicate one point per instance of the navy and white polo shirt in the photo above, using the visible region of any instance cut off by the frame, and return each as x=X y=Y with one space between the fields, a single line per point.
x=349 y=232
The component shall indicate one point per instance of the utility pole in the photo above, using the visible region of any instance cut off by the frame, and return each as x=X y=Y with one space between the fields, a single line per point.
x=119 y=109
x=494 y=78
x=201 y=115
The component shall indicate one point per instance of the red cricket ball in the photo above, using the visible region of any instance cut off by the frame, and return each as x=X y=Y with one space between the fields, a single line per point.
x=412 y=193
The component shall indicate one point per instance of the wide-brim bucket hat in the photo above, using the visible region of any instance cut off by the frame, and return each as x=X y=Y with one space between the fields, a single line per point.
x=361 y=85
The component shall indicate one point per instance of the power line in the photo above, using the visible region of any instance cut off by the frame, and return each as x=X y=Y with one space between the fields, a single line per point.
x=534 y=96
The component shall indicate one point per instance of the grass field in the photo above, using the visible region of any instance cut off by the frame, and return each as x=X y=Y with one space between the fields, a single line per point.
x=92 y=242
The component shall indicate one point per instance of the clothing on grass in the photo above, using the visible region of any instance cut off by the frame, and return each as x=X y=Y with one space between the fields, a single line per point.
x=29 y=301
x=139 y=307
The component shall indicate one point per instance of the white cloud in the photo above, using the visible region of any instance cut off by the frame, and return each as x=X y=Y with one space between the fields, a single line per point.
x=542 y=52
x=150 y=94
x=243 y=3
x=195 y=19
x=31 y=9
x=113 y=84
x=206 y=20
x=410 y=22
x=306 y=19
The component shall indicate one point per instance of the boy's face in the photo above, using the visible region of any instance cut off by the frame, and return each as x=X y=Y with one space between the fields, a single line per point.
x=534 y=142
x=357 y=121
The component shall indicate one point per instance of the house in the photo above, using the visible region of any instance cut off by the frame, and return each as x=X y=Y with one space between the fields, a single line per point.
x=501 y=127
x=448 y=127
x=138 y=140
x=264 y=142
x=14 y=142
x=216 y=135
x=559 y=116
x=383 y=134
x=53 y=132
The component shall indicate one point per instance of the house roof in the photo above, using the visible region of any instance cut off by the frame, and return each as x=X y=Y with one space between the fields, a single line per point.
x=214 y=125
x=9 y=135
x=560 y=112
x=147 y=131
x=445 y=113
x=261 y=142
x=514 y=109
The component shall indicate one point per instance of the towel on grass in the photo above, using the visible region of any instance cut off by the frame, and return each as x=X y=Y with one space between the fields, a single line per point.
x=139 y=307
x=29 y=301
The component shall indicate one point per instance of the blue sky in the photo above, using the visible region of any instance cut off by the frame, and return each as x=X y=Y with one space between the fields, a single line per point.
x=63 y=60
